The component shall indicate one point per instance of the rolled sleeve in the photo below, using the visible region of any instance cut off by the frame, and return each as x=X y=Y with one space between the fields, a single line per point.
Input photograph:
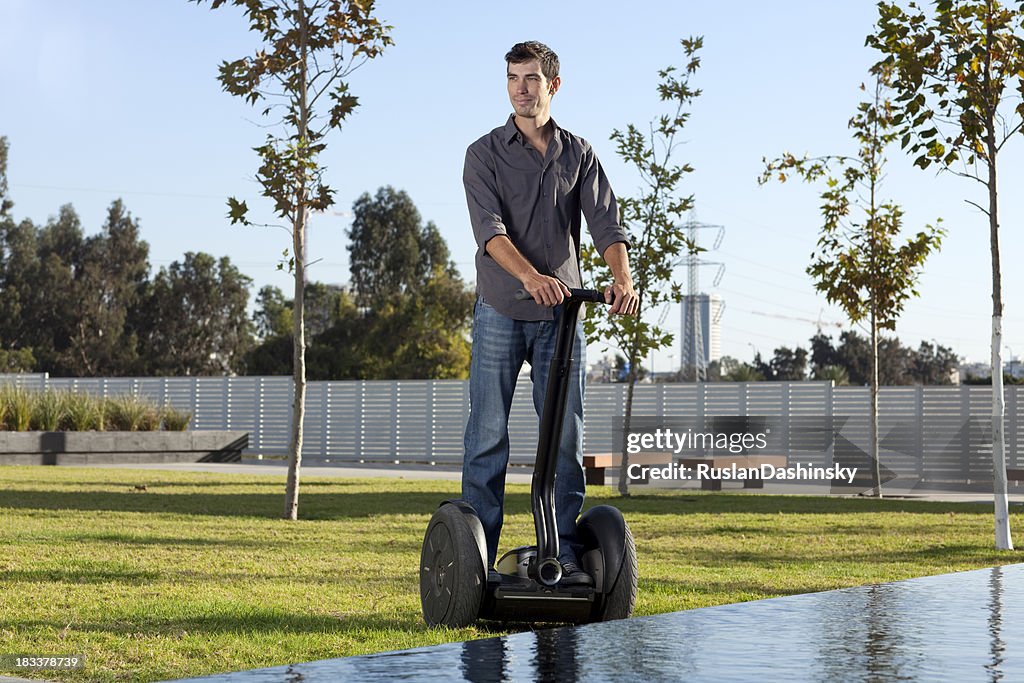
x=482 y=198
x=597 y=201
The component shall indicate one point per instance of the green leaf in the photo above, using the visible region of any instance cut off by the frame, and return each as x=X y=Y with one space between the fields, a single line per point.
x=237 y=211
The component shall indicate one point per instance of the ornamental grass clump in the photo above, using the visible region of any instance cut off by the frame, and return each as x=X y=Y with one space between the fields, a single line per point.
x=15 y=408
x=175 y=420
x=84 y=412
x=130 y=413
x=47 y=411
x=23 y=410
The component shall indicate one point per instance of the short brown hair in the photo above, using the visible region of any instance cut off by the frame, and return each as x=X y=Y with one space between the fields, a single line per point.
x=530 y=50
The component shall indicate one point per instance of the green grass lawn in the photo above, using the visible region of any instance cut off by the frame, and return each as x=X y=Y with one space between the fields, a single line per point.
x=197 y=574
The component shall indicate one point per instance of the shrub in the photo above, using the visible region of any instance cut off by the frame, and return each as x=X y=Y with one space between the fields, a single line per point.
x=66 y=410
x=83 y=412
x=47 y=411
x=129 y=413
x=175 y=420
x=16 y=408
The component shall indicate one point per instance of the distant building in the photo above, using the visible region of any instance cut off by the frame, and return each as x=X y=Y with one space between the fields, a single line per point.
x=1013 y=367
x=976 y=370
x=709 y=311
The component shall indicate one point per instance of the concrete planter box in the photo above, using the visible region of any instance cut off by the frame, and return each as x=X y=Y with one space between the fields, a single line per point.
x=102 y=448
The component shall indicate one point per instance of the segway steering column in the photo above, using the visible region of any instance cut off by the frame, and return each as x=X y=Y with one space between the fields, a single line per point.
x=547 y=569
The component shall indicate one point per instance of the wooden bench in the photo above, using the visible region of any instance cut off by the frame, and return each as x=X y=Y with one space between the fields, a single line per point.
x=727 y=461
x=595 y=464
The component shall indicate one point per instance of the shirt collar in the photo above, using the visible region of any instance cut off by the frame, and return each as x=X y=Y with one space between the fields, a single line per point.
x=512 y=133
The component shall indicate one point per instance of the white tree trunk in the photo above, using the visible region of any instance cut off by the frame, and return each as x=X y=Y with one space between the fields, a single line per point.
x=876 y=465
x=1003 y=539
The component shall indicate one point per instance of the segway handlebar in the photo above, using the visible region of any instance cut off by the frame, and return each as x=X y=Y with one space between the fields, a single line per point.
x=593 y=296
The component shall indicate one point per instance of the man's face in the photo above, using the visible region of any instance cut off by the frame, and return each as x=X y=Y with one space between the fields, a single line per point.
x=529 y=91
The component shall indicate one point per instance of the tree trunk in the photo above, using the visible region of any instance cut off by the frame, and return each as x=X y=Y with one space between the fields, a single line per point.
x=876 y=473
x=291 y=504
x=1003 y=539
x=623 y=473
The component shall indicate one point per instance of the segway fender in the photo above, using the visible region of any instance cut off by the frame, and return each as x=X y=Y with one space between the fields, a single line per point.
x=475 y=526
x=602 y=527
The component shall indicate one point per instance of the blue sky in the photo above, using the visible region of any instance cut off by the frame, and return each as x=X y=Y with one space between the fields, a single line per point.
x=119 y=98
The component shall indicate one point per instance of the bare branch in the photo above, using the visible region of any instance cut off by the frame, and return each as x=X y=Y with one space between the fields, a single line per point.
x=265 y=126
x=972 y=176
x=977 y=206
x=1016 y=129
x=272 y=225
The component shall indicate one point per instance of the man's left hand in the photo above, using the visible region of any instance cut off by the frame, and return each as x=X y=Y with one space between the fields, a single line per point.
x=623 y=298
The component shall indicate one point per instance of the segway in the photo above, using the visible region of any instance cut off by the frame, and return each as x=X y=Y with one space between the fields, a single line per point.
x=455 y=585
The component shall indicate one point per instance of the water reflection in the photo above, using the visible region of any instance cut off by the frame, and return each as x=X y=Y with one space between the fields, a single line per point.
x=483 y=661
x=963 y=626
x=995 y=625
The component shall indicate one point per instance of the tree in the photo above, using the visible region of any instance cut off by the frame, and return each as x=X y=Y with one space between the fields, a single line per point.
x=412 y=336
x=66 y=299
x=933 y=364
x=734 y=370
x=651 y=219
x=862 y=264
x=19 y=268
x=109 y=281
x=49 y=315
x=303 y=63
x=327 y=307
x=789 y=365
x=415 y=308
x=194 y=321
x=855 y=354
x=833 y=373
x=20 y=360
x=954 y=71
x=391 y=252
x=823 y=354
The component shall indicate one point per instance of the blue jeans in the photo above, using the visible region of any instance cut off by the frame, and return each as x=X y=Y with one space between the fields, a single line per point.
x=500 y=346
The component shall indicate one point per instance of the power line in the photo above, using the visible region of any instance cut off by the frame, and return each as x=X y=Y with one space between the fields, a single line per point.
x=120 y=192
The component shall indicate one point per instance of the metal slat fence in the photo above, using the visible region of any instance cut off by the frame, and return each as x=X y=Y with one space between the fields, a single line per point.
x=941 y=430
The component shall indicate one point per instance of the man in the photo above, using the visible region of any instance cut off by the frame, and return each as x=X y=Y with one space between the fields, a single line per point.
x=526 y=184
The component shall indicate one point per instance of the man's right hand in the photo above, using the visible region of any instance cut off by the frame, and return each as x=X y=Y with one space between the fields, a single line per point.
x=545 y=290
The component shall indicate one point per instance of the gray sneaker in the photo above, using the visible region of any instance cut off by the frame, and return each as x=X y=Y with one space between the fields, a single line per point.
x=572 y=575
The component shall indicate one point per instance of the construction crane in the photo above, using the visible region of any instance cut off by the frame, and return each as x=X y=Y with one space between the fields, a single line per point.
x=819 y=322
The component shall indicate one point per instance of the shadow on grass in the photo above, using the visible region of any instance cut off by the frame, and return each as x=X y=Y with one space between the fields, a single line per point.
x=85 y=573
x=173 y=541
x=312 y=505
x=940 y=557
x=241 y=620
x=327 y=502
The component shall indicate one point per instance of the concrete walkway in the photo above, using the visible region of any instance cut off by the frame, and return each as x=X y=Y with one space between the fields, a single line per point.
x=516 y=475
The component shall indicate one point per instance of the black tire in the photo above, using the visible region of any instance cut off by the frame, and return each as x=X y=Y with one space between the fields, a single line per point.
x=451 y=574
x=619 y=602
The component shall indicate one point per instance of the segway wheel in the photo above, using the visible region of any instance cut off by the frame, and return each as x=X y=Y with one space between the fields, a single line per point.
x=451 y=575
x=619 y=602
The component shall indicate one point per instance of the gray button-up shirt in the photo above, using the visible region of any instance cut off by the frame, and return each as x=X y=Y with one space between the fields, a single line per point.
x=536 y=203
